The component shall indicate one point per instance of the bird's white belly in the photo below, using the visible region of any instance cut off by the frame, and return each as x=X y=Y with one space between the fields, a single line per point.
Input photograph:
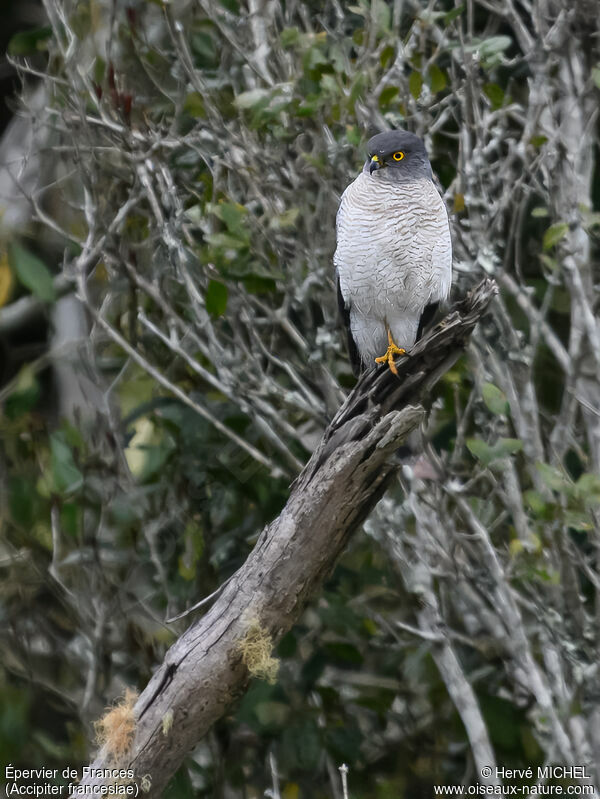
x=393 y=257
x=385 y=262
x=382 y=285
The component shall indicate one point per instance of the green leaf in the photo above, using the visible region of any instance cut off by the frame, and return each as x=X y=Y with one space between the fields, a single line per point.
x=596 y=75
x=329 y=84
x=549 y=263
x=313 y=59
x=288 y=646
x=494 y=45
x=32 y=272
x=489 y=50
x=338 y=60
x=253 y=98
x=353 y=135
x=380 y=10
x=272 y=714
x=507 y=446
x=22 y=498
x=345 y=744
x=458 y=203
x=387 y=95
x=25 y=395
x=578 y=520
x=495 y=399
x=415 y=84
x=538 y=141
x=344 y=652
x=231 y=5
x=232 y=214
x=357 y=88
x=454 y=14
x=301 y=745
x=289 y=37
x=357 y=10
x=194 y=105
x=503 y=720
x=588 y=489
x=136 y=391
x=387 y=56
x=495 y=95
x=285 y=220
x=539 y=212
x=70 y=518
x=535 y=501
x=554 y=234
x=561 y=301
x=591 y=219
x=80 y=21
x=148 y=450
x=254 y=284
x=487 y=453
x=223 y=241
x=99 y=69
x=216 y=298
x=193 y=538
x=29 y=42
x=550 y=576
x=553 y=478
x=65 y=474
x=437 y=79
x=204 y=48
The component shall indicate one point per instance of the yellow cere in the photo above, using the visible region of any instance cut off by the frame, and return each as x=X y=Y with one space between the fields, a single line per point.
x=375 y=158
x=398 y=156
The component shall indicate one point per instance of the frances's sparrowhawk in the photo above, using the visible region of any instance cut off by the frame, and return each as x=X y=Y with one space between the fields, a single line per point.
x=394 y=255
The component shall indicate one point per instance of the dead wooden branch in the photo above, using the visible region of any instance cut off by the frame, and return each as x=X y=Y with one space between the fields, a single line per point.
x=204 y=671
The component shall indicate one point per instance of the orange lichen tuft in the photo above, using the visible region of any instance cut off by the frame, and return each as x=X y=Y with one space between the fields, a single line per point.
x=115 y=730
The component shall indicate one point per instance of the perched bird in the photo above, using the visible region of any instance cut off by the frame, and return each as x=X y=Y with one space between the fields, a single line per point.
x=393 y=260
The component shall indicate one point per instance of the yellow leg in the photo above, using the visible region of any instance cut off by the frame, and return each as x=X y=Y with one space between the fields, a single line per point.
x=392 y=351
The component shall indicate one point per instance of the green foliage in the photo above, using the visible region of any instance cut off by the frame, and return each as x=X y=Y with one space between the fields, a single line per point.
x=495 y=399
x=29 y=42
x=65 y=476
x=488 y=453
x=24 y=395
x=415 y=84
x=554 y=235
x=437 y=79
x=194 y=105
x=141 y=509
x=495 y=94
x=216 y=298
x=32 y=272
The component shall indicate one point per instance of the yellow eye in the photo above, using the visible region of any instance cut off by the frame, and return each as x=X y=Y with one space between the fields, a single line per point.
x=398 y=156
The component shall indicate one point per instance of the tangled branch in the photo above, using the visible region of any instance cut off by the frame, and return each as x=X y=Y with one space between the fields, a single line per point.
x=205 y=670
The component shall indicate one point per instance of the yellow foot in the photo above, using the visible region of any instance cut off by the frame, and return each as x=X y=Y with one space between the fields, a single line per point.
x=392 y=351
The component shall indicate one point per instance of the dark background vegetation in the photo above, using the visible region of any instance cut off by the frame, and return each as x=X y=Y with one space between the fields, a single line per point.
x=171 y=353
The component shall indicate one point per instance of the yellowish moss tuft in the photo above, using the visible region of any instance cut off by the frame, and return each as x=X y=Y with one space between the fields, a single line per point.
x=167 y=722
x=115 y=730
x=256 y=647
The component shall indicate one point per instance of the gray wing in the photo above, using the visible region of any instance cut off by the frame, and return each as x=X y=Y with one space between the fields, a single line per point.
x=355 y=360
x=343 y=302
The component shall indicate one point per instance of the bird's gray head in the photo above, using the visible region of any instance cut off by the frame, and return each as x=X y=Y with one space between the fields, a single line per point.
x=404 y=154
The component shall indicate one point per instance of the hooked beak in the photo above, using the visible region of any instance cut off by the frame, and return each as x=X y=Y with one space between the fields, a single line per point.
x=375 y=164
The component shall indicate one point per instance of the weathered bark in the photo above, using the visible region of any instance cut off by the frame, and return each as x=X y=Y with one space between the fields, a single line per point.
x=203 y=672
